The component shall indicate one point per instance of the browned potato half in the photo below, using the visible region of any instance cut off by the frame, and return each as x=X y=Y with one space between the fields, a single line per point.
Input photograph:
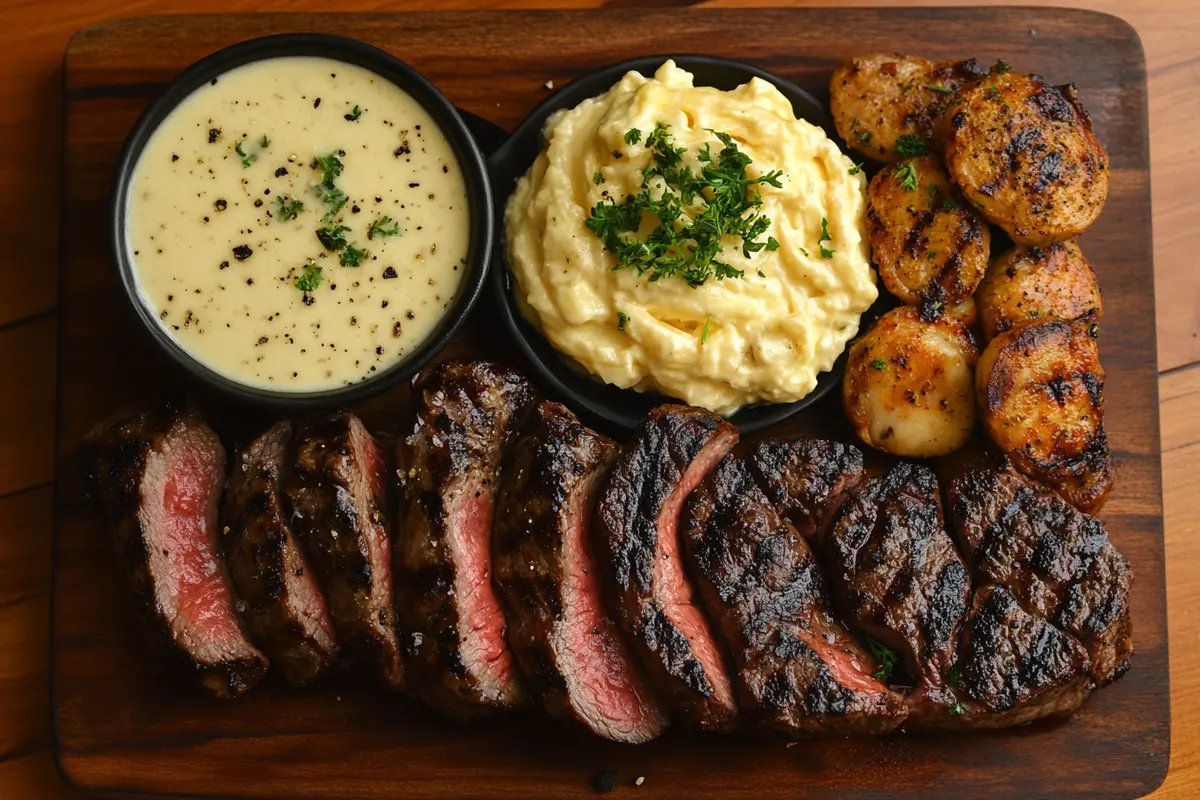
x=1041 y=394
x=928 y=244
x=887 y=105
x=908 y=385
x=966 y=312
x=1024 y=154
x=1031 y=283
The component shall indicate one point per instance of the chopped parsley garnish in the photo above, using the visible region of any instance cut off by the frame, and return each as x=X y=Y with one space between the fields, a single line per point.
x=633 y=136
x=857 y=168
x=264 y=142
x=621 y=320
x=886 y=657
x=354 y=114
x=909 y=145
x=597 y=177
x=879 y=364
x=384 y=226
x=333 y=197
x=957 y=710
x=906 y=173
x=352 y=256
x=937 y=87
x=333 y=237
x=287 y=207
x=331 y=168
x=695 y=212
x=704 y=333
x=953 y=676
x=247 y=158
x=1001 y=67
x=309 y=279
x=825 y=237
x=949 y=203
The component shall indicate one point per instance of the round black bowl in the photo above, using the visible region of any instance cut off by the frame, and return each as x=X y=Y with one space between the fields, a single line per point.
x=624 y=408
x=386 y=66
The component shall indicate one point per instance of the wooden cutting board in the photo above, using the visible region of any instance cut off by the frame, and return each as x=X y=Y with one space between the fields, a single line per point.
x=123 y=727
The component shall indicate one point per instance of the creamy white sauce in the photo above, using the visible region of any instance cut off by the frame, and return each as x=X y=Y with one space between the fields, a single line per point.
x=218 y=263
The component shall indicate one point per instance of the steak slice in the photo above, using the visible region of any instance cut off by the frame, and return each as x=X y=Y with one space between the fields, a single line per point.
x=637 y=538
x=336 y=488
x=458 y=658
x=805 y=479
x=1056 y=560
x=898 y=577
x=796 y=668
x=158 y=475
x=1014 y=667
x=566 y=643
x=283 y=606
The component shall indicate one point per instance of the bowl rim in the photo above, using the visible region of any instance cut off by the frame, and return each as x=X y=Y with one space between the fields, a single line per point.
x=481 y=225
x=625 y=408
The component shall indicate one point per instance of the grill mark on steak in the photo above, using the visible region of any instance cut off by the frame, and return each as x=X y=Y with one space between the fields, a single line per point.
x=806 y=479
x=637 y=538
x=1057 y=561
x=458 y=658
x=898 y=577
x=796 y=668
x=338 y=498
x=285 y=608
x=566 y=643
x=158 y=475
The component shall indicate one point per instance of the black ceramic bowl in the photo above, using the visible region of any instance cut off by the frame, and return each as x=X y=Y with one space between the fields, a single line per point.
x=384 y=65
x=624 y=408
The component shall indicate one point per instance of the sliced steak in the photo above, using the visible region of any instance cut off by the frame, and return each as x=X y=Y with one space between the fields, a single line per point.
x=898 y=577
x=338 y=497
x=1056 y=560
x=281 y=602
x=637 y=540
x=1014 y=667
x=458 y=658
x=566 y=642
x=806 y=479
x=796 y=668
x=158 y=475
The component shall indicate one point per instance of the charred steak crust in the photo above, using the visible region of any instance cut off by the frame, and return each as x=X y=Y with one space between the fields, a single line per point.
x=455 y=644
x=1057 y=561
x=158 y=475
x=566 y=643
x=897 y=574
x=338 y=498
x=637 y=539
x=281 y=603
x=805 y=479
x=796 y=669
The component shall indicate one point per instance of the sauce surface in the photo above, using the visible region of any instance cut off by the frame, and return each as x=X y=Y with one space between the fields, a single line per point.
x=298 y=224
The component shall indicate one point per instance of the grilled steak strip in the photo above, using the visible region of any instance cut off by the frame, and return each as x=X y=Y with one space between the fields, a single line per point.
x=284 y=608
x=459 y=660
x=806 y=479
x=566 y=643
x=898 y=577
x=1055 y=560
x=158 y=475
x=637 y=538
x=796 y=668
x=338 y=499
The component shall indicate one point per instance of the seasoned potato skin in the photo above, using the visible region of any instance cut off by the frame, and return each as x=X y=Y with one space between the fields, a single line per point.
x=927 y=243
x=1041 y=395
x=1024 y=154
x=908 y=385
x=877 y=98
x=1030 y=283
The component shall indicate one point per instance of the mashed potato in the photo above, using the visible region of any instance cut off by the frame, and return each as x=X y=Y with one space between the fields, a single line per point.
x=762 y=338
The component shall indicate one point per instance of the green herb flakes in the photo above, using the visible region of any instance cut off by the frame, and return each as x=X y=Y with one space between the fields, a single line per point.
x=886 y=657
x=333 y=237
x=906 y=173
x=352 y=256
x=309 y=279
x=909 y=145
x=384 y=226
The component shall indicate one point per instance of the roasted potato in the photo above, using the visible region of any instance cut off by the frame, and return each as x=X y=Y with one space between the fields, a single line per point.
x=1031 y=283
x=908 y=385
x=928 y=244
x=1024 y=154
x=966 y=312
x=887 y=106
x=1041 y=395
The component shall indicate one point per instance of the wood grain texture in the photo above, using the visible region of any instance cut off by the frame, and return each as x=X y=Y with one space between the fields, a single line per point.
x=122 y=725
